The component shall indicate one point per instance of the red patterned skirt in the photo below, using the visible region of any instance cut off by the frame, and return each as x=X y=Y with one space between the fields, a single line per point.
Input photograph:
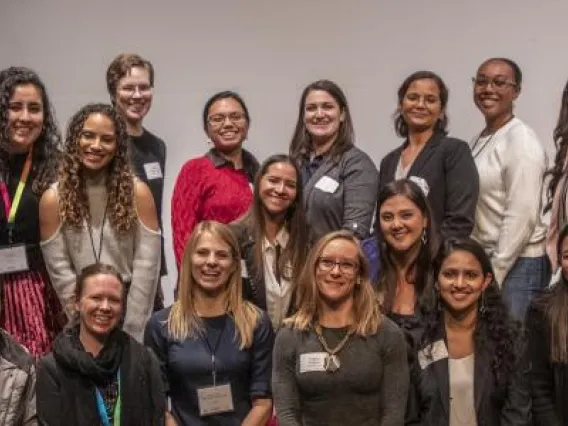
x=31 y=312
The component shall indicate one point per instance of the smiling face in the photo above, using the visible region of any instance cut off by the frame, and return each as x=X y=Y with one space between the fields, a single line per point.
x=25 y=117
x=227 y=125
x=402 y=223
x=134 y=94
x=421 y=106
x=461 y=281
x=337 y=271
x=97 y=142
x=495 y=90
x=277 y=189
x=100 y=304
x=322 y=116
x=212 y=263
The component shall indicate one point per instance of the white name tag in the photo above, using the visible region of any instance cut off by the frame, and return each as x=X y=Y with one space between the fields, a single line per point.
x=244 y=270
x=313 y=361
x=439 y=351
x=215 y=400
x=327 y=184
x=153 y=170
x=13 y=259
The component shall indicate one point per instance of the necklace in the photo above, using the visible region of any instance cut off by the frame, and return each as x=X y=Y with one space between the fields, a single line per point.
x=476 y=154
x=331 y=363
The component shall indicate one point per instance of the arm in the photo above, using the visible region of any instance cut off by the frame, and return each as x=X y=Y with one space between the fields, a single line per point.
x=360 y=186
x=55 y=252
x=284 y=385
x=186 y=207
x=145 y=264
x=394 y=386
x=261 y=368
x=542 y=373
x=47 y=391
x=522 y=177
x=462 y=189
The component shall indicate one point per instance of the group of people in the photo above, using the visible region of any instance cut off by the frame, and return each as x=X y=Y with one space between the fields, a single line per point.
x=312 y=288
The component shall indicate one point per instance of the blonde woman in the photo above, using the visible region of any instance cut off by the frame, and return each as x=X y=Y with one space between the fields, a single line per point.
x=215 y=347
x=338 y=360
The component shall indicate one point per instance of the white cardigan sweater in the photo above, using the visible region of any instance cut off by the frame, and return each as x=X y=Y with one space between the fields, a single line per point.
x=508 y=220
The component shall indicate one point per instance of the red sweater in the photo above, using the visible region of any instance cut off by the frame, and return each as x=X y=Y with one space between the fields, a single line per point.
x=208 y=188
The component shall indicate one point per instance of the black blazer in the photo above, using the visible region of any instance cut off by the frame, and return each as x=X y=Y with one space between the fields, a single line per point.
x=430 y=388
x=447 y=166
x=549 y=381
x=254 y=290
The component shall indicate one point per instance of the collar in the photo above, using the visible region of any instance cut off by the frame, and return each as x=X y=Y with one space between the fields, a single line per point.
x=250 y=164
x=281 y=239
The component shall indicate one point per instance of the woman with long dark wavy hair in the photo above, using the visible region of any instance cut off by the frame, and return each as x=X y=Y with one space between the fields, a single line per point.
x=273 y=238
x=557 y=194
x=547 y=326
x=98 y=212
x=471 y=368
x=29 y=151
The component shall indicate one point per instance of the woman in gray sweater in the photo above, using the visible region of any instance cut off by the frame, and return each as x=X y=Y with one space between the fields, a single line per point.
x=338 y=360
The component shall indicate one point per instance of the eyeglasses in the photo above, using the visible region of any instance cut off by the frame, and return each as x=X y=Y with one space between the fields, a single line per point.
x=497 y=83
x=218 y=119
x=345 y=267
x=129 y=90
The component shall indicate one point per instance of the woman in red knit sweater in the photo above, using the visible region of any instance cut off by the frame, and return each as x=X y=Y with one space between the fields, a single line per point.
x=218 y=185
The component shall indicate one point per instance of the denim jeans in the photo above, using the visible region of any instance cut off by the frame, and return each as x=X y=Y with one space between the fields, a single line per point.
x=528 y=278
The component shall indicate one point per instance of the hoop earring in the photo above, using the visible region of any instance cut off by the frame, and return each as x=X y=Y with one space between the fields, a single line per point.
x=424 y=237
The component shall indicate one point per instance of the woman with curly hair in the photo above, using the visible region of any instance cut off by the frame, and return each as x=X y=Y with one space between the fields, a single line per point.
x=471 y=366
x=29 y=149
x=338 y=360
x=557 y=201
x=99 y=213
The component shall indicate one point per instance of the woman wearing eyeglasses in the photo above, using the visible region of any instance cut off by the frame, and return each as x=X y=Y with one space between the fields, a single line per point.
x=511 y=163
x=338 y=360
x=217 y=186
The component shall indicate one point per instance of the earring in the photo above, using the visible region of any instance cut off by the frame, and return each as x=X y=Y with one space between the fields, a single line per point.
x=482 y=308
x=424 y=237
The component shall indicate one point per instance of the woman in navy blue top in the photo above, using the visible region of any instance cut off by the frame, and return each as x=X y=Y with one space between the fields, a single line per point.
x=215 y=348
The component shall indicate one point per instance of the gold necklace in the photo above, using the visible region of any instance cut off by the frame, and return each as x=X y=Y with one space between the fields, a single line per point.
x=331 y=363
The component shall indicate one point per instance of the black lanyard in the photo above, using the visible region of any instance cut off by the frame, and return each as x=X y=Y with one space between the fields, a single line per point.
x=90 y=229
x=213 y=350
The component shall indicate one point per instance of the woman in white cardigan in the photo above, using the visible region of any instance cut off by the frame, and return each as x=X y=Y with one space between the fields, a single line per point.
x=511 y=163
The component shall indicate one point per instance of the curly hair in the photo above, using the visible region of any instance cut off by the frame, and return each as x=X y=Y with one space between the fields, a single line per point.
x=560 y=136
x=495 y=332
x=73 y=201
x=46 y=151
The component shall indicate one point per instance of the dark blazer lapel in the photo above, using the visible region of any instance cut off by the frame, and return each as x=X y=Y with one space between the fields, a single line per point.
x=258 y=287
x=424 y=155
x=326 y=166
x=481 y=374
x=442 y=373
x=391 y=164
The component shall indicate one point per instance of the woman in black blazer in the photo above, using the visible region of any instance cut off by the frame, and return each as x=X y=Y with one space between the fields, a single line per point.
x=441 y=165
x=273 y=238
x=471 y=368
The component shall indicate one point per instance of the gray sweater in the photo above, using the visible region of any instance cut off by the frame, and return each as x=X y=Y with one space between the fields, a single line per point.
x=369 y=389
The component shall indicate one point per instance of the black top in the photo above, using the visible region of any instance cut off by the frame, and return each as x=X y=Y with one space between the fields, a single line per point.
x=26 y=229
x=445 y=166
x=147 y=151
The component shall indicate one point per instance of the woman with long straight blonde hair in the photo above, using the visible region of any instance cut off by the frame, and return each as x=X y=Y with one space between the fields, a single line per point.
x=338 y=360
x=216 y=348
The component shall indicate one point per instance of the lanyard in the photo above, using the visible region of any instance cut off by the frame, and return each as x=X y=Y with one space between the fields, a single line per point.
x=213 y=350
x=90 y=229
x=11 y=208
x=101 y=406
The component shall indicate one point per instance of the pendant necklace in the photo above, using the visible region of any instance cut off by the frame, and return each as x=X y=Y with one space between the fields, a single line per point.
x=331 y=362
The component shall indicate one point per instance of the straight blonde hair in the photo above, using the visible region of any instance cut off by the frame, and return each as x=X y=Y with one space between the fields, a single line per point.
x=366 y=311
x=183 y=322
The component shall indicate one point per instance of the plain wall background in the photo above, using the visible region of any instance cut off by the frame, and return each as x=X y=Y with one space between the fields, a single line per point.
x=268 y=51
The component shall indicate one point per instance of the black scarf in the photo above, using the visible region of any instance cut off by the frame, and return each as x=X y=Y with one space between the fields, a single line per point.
x=69 y=352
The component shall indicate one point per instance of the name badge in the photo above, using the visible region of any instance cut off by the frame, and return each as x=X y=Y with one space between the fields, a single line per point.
x=13 y=259
x=215 y=400
x=439 y=352
x=327 y=184
x=244 y=270
x=313 y=361
x=153 y=170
